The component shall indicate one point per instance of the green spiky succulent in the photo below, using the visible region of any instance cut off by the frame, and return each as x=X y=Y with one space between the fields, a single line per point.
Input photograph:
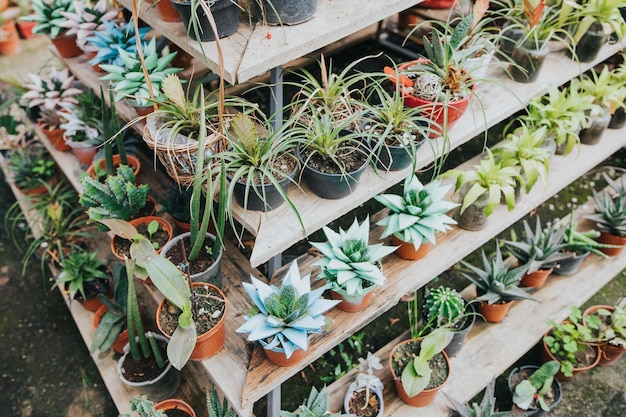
x=486 y=406
x=611 y=209
x=496 y=281
x=350 y=265
x=117 y=198
x=443 y=306
x=418 y=214
x=315 y=406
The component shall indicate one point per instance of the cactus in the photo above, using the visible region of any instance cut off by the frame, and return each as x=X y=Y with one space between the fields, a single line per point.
x=443 y=306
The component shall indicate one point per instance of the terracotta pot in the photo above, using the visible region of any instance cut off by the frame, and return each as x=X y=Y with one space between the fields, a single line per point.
x=132 y=161
x=84 y=152
x=609 y=354
x=546 y=356
x=209 y=343
x=175 y=404
x=181 y=226
x=279 y=358
x=91 y=55
x=11 y=45
x=25 y=29
x=66 y=46
x=91 y=304
x=4 y=4
x=612 y=240
x=121 y=339
x=163 y=224
x=42 y=189
x=167 y=12
x=425 y=397
x=352 y=304
x=55 y=136
x=406 y=250
x=436 y=4
x=494 y=313
x=143 y=111
x=536 y=279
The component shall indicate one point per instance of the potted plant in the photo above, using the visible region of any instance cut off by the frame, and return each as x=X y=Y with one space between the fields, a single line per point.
x=283 y=319
x=260 y=163
x=316 y=405
x=563 y=112
x=32 y=169
x=416 y=216
x=541 y=249
x=395 y=132
x=283 y=12
x=486 y=408
x=568 y=343
x=534 y=388
x=156 y=229
x=216 y=408
x=128 y=80
x=51 y=91
x=439 y=83
x=177 y=205
x=481 y=188
x=609 y=93
x=420 y=367
x=48 y=16
x=147 y=408
x=83 y=276
x=598 y=19
x=524 y=150
x=83 y=129
x=49 y=123
x=608 y=329
x=112 y=38
x=579 y=244
x=206 y=20
x=610 y=216
x=364 y=396
x=445 y=307
x=110 y=319
x=497 y=285
x=350 y=266
x=85 y=19
x=117 y=198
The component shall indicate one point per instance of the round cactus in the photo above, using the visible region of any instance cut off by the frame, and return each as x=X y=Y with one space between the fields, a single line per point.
x=443 y=305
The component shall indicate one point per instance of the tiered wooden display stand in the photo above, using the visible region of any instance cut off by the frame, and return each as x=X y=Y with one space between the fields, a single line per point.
x=241 y=371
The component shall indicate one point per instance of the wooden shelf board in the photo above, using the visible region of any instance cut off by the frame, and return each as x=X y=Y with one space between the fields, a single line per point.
x=279 y=229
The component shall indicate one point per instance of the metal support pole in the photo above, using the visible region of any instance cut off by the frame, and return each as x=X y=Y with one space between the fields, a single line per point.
x=273 y=402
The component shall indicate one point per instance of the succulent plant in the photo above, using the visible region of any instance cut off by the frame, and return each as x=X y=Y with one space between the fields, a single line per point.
x=129 y=80
x=497 y=281
x=49 y=16
x=79 y=268
x=443 y=306
x=85 y=19
x=542 y=248
x=611 y=209
x=117 y=198
x=315 y=406
x=113 y=38
x=419 y=213
x=350 y=265
x=283 y=318
x=84 y=121
x=31 y=167
x=51 y=91
x=536 y=387
x=486 y=408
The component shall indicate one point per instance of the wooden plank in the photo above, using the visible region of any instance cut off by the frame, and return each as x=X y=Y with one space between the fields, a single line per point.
x=407 y=276
x=525 y=324
x=279 y=229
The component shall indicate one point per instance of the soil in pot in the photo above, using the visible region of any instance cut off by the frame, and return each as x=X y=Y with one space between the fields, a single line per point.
x=404 y=353
x=160 y=238
x=552 y=397
x=198 y=265
x=148 y=210
x=351 y=160
x=361 y=406
x=144 y=369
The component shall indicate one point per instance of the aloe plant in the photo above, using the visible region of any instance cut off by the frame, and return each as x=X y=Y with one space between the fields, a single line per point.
x=49 y=16
x=78 y=269
x=129 y=79
x=419 y=213
x=51 y=91
x=610 y=216
x=350 y=265
x=85 y=19
x=486 y=408
x=283 y=318
x=316 y=405
x=113 y=38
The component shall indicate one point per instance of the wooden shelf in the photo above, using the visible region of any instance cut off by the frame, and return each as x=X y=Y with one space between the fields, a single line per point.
x=252 y=51
x=480 y=359
x=279 y=229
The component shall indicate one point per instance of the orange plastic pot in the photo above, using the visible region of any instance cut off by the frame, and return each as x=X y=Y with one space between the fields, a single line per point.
x=494 y=313
x=406 y=250
x=612 y=240
x=609 y=354
x=536 y=279
x=425 y=397
x=352 y=304
x=279 y=358
x=175 y=404
x=66 y=46
x=163 y=224
x=546 y=356
x=133 y=162
x=121 y=339
x=209 y=343
x=11 y=43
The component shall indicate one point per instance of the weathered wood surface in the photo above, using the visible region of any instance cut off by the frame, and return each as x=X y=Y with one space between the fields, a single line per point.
x=251 y=51
x=279 y=229
x=407 y=276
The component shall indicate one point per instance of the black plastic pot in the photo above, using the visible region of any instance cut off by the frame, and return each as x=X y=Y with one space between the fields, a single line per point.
x=284 y=12
x=556 y=387
x=589 y=45
x=527 y=63
x=459 y=336
x=225 y=13
x=262 y=197
x=618 y=119
x=569 y=266
x=591 y=135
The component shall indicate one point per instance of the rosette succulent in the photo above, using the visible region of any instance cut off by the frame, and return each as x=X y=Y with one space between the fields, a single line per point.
x=283 y=318
x=85 y=19
x=112 y=39
x=49 y=16
x=52 y=91
x=418 y=214
x=351 y=266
